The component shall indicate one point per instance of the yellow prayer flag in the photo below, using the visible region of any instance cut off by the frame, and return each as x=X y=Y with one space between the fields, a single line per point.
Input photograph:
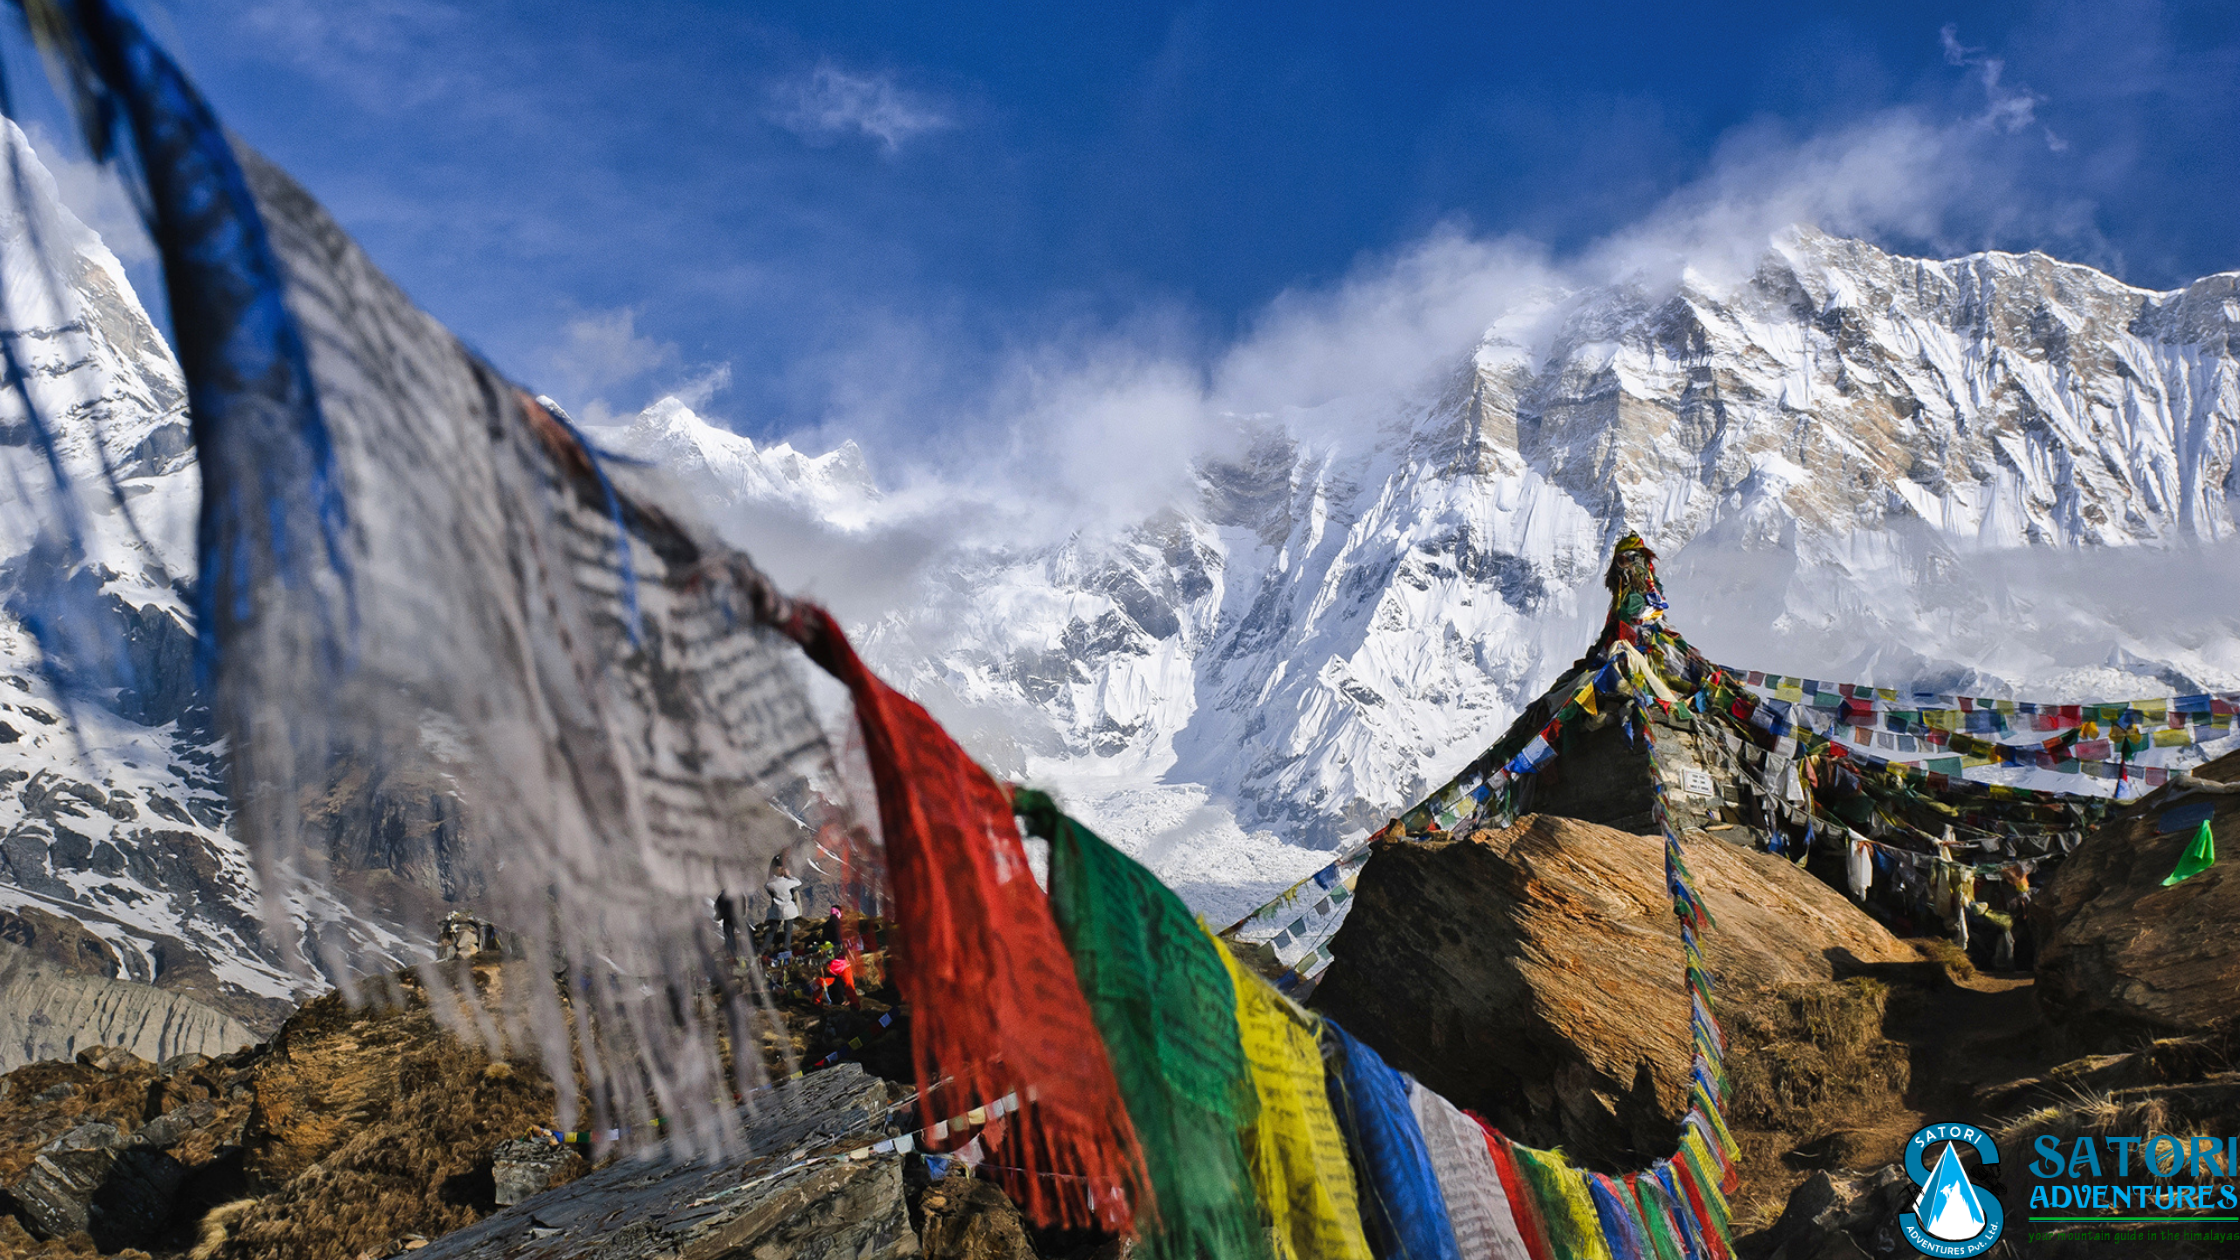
x=1298 y=1158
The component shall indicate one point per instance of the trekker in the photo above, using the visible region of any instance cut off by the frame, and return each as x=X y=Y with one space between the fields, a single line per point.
x=727 y=914
x=785 y=910
x=833 y=927
x=839 y=973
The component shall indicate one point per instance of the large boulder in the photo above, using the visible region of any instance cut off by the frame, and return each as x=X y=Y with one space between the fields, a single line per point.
x=1534 y=974
x=2123 y=954
x=103 y=1181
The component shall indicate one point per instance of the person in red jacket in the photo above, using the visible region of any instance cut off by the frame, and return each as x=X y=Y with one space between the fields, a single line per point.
x=840 y=974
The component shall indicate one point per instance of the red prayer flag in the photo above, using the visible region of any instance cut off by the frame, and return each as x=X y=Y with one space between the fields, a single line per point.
x=1524 y=1206
x=995 y=1007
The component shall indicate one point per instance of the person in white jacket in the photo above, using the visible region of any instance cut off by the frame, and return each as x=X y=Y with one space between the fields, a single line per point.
x=785 y=907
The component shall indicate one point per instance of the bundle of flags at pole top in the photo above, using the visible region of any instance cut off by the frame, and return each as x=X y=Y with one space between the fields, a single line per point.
x=404 y=555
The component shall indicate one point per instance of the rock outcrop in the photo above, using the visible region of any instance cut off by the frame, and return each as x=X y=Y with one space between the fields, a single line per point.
x=110 y=1151
x=1534 y=974
x=49 y=1011
x=779 y=1199
x=2125 y=954
x=350 y=1130
x=115 y=1186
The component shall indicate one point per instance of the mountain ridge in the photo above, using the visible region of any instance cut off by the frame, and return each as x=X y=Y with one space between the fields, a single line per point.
x=1847 y=456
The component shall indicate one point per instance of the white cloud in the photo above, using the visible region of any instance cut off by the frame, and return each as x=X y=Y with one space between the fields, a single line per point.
x=409 y=39
x=829 y=104
x=697 y=390
x=1082 y=428
x=602 y=349
x=2007 y=108
x=603 y=368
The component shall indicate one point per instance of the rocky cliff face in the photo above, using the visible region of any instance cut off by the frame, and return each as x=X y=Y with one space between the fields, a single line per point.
x=47 y=1012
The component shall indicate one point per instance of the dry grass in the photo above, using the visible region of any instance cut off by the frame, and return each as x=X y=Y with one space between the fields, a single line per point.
x=1951 y=957
x=1813 y=1056
x=1811 y=1076
x=373 y=1124
x=217 y=1228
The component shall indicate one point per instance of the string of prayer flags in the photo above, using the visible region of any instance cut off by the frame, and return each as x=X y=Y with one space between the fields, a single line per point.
x=1863 y=698
x=2198 y=857
x=1167 y=1010
x=622 y=668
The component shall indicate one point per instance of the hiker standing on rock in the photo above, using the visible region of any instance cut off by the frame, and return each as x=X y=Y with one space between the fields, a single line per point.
x=785 y=909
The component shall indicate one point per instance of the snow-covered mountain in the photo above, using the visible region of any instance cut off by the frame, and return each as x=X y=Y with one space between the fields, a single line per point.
x=2000 y=474
x=113 y=807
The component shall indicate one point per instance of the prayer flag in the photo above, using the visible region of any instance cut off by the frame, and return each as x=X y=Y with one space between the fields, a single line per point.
x=987 y=1022
x=1167 y=1009
x=2198 y=857
x=1298 y=1157
x=1402 y=1206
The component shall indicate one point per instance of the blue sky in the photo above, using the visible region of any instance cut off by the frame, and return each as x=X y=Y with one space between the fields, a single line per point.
x=876 y=218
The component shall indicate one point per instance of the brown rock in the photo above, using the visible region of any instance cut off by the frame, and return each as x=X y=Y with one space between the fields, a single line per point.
x=969 y=1219
x=526 y=1167
x=1534 y=974
x=2122 y=953
x=101 y=1181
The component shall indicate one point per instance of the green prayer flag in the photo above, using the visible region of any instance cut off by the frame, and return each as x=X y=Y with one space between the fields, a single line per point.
x=2199 y=856
x=1163 y=1001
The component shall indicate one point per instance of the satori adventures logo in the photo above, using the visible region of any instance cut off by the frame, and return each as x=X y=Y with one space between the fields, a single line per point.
x=1952 y=1218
